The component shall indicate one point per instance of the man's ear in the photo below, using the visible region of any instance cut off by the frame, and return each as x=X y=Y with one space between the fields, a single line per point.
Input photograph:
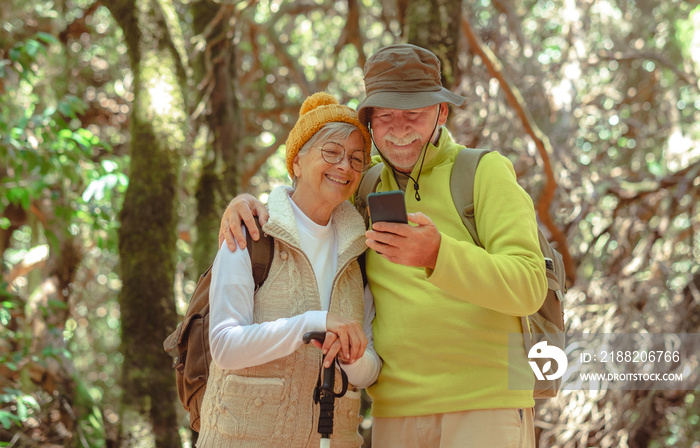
x=444 y=111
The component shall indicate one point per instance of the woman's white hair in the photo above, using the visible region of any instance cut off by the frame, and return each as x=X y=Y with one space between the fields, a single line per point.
x=335 y=130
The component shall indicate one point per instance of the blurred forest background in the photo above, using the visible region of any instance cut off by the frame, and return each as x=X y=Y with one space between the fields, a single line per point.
x=127 y=125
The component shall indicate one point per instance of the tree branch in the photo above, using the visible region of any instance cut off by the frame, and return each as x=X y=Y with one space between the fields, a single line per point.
x=351 y=33
x=634 y=191
x=296 y=71
x=544 y=147
x=78 y=26
x=654 y=56
x=260 y=158
x=514 y=23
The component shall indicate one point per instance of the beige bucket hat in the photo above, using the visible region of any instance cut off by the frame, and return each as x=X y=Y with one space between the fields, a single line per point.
x=404 y=77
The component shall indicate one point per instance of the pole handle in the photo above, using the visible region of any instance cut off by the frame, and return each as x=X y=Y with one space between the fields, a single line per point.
x=319 y=336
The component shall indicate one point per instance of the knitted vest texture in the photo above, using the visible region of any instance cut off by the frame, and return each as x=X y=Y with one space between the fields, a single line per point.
x=271 y=405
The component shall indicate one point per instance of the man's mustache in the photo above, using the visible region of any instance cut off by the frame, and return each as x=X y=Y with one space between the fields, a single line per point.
x=402 y=141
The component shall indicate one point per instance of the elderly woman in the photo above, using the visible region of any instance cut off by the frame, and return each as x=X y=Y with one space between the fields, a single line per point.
x=260 y=390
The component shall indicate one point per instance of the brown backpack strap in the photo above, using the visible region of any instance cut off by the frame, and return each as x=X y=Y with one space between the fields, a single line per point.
x=261 y=253
x=462 y=187
x=368 y=184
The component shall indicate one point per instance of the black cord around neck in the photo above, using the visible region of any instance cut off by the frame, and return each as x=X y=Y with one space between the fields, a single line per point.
x=416 y=186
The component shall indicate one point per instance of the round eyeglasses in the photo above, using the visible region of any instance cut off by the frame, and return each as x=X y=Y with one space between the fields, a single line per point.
x=334 y=153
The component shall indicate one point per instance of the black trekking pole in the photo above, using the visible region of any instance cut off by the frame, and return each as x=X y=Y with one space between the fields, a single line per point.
x=324 y=394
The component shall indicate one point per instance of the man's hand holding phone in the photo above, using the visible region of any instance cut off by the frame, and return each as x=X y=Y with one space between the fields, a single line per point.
x=396 y=240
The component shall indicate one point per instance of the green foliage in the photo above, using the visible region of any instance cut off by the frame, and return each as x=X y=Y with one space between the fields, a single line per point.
x=23 y=404
x=45 y=151
x=16 y=407
x=53 y=159
x=612 y=83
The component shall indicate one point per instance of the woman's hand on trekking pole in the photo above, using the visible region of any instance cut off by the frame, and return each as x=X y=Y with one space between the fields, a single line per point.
x=345 y=338
x=332 y=352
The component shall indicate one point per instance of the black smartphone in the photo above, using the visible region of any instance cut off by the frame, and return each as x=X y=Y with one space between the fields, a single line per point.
x=388 y=206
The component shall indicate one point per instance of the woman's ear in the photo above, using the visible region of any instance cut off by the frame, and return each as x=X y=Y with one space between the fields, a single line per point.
x=296 y=166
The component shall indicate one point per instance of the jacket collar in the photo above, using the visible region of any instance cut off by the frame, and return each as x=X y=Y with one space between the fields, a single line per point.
x=349 y=225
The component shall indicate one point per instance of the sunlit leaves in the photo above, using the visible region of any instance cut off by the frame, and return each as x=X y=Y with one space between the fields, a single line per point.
x=101 y=187
x=47 y=154
x=21 y=407
x=613 y=83
x=47 y=150
x=688 y=37
x=24 y=55
x=44 y=151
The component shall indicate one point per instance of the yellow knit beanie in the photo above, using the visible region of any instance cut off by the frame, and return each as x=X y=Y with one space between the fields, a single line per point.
x=318 y=110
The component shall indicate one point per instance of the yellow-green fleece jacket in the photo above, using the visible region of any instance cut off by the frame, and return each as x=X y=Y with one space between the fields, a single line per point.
x=443 y=333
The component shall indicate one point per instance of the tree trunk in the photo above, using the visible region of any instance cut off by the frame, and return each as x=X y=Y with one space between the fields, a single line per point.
x=147 y=235
x=220 y=176
x=435 y=25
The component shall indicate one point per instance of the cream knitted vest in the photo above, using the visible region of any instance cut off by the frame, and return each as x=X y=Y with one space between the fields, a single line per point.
x=271 y=405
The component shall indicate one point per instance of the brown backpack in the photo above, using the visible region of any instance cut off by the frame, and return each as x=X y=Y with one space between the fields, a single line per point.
x=189 y=343
x=547 y=324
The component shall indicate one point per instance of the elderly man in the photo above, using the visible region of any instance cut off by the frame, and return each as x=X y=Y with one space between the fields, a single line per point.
x=444 y=306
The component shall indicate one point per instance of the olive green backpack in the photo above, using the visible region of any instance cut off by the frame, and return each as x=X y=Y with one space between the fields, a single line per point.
x=548 y=323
